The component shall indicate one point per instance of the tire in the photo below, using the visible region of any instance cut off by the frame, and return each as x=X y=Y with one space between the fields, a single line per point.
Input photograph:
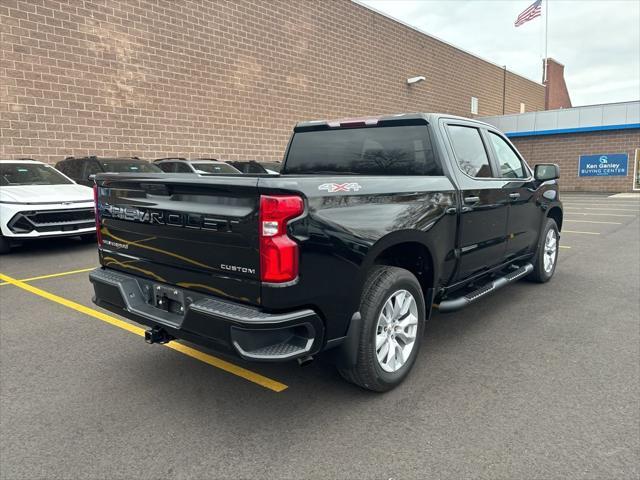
x=383 y=286
x=542 y=272
x=5 y=246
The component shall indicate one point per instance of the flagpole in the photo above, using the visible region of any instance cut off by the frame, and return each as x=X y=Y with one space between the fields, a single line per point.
x=546 y=37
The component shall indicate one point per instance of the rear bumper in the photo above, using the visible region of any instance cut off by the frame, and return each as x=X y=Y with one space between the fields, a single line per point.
x=209 y=321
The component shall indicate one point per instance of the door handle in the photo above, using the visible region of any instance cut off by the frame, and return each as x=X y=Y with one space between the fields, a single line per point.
x=514 y=195
x=471 y=199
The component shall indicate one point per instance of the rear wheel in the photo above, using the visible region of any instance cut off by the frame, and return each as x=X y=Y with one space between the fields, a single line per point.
x=544 y=264
x=5 y=246
x=393 y=313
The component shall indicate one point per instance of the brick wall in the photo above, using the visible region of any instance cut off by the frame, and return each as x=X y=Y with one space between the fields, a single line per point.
x=566 y=149
x=218 y=78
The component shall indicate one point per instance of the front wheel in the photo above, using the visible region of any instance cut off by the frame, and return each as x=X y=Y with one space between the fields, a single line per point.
x=544 y=264
x=393 y=316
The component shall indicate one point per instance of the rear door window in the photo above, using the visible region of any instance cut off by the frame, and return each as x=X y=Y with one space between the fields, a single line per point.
x=469 y=151
x=401 y=150
x=182 y=168
x=167 y=167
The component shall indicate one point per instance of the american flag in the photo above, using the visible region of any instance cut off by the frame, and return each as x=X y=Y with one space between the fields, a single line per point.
x=534 y=10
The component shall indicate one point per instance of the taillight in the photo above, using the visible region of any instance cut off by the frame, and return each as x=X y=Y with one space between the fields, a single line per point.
x=278 y=252
x=97 y=214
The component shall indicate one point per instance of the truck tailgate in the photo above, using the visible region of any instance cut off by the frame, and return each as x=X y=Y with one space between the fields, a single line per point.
x=199 y=233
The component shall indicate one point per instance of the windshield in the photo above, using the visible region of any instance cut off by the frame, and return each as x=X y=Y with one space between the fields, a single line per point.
x=214 y=168
x=30 y=174
x=402 y=150
x=129 y=166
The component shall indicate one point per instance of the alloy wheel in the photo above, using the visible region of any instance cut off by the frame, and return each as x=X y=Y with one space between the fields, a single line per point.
x=396 y=331
x=550 y=249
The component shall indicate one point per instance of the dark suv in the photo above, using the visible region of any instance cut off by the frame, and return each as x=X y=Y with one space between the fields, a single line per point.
x=82 y=169
x=252 y=166
x=195 y=166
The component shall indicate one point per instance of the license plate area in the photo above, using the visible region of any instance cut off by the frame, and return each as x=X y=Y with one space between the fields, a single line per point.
x=169 y=299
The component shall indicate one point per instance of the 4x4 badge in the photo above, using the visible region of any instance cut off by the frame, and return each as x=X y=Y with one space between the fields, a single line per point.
x=340 y=187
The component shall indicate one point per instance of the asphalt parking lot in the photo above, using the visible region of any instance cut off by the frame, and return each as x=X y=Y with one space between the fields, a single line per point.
x=537 y=381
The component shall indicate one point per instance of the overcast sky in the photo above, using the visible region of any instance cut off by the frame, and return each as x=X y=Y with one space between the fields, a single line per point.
x=598 y=41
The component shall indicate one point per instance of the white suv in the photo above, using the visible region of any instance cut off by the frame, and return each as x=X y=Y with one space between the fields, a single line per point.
x=38 y=201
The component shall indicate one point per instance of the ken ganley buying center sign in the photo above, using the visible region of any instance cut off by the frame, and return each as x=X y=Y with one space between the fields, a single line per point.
x=603 y=165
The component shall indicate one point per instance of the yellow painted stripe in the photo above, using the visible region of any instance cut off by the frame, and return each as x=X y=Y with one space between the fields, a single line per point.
x=607 y=204
x=178 y=347
x=564 y=246
x=53 y=275
x=599 y=214
x=583 y=233
x=591 y=221
x=605 y=209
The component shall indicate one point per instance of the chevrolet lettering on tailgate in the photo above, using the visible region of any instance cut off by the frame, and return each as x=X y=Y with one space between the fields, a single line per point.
x=163 y=217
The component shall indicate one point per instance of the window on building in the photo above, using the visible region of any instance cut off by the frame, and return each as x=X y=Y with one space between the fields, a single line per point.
x=510 y=164
x=469 y=150
x=474 y=105
x=523 y=108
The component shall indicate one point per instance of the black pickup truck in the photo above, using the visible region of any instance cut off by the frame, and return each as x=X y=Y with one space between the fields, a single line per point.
x=370 y=225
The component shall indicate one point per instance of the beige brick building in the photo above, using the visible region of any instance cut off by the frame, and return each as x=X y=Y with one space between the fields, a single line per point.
x=220 y=78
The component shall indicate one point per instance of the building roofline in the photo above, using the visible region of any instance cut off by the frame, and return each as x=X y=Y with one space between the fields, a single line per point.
x=438 y=39
x=560 y=131
x=589 y=105
x=574 y=107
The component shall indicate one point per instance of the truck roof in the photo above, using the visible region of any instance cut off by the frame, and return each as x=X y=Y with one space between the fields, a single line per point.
x=399 y=118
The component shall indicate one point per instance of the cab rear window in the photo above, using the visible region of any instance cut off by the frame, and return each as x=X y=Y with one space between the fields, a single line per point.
x=401 y=150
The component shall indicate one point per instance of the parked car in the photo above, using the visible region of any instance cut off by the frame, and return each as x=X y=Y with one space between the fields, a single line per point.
x=368 y=226
x=196 y=166
x=82 y=169
x=37 y=201
x=252 y=166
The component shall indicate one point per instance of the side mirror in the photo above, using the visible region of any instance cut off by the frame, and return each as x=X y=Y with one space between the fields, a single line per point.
x=546 y=171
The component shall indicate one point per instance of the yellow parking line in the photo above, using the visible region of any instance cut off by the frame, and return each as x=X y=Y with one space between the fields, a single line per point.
x=592 y=221
x=592 y=204
x=178 y=347
x=564 y=246
x=583 y=233
x=52 y=275
x=600 y=214
x=604 y=208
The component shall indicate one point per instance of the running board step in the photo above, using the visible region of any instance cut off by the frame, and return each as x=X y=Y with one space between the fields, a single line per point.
x=454 y=304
